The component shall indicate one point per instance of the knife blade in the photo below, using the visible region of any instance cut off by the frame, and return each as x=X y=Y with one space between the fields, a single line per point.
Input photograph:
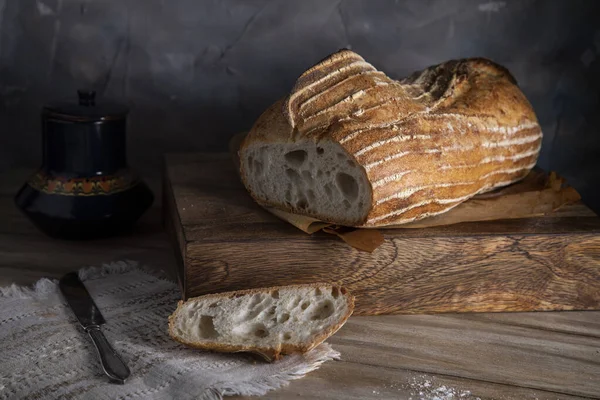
x=91 y=319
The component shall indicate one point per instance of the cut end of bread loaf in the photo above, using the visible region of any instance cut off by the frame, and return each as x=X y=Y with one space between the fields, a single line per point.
x=318 y=179
x=269 y=322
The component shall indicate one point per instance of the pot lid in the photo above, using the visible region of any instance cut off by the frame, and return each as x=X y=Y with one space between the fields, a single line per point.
x=86 y=109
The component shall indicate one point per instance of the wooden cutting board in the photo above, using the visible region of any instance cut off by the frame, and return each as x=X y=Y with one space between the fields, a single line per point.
x=224 y=241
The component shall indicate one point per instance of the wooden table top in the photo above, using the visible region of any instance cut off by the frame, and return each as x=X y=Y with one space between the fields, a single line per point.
x=550 y=355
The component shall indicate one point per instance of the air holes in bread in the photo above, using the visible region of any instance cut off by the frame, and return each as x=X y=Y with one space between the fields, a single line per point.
x=307 y=177
x=275 y=294
x=283 y=318
x=257 y=298
x=207 y=328
x=296 y=158
x=320 y=150
x=261 y=332
x=287 y=336
x=335 y=292
x=347 y=185
x=323 y=310
x=257 y=166
x=305 y=305
x=293 y=176
x=302 y=202
x=251 y=330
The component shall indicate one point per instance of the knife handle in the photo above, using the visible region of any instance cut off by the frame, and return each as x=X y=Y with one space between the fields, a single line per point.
x=112 y=364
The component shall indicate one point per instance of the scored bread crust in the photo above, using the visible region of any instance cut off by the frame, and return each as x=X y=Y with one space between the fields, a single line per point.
x=425 y=143
x=269 y=353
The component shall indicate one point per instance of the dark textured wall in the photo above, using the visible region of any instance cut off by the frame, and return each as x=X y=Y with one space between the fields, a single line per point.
x=196 y=72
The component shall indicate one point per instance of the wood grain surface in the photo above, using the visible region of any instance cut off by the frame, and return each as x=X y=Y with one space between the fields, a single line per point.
x=465 y=356
x=544 y=356
x=227 y=242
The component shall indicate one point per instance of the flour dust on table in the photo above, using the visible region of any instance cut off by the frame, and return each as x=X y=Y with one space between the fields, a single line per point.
x=424 y=388
x=46 y=354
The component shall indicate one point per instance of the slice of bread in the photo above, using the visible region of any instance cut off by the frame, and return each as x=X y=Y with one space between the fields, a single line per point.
x=267 y=321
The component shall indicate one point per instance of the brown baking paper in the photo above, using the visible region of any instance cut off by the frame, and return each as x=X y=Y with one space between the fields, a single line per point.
x=538 y=194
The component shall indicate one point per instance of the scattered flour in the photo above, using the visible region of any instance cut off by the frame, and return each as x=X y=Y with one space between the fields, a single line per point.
x=422 y=388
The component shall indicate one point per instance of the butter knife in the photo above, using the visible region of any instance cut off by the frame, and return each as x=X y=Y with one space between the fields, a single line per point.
x=91 y=319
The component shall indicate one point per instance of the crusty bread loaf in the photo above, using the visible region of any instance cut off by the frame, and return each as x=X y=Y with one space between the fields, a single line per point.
x=269 y=321
x=351 y=146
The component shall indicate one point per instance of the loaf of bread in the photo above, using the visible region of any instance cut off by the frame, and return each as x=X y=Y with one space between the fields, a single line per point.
x=269 y=321
x=353 y=147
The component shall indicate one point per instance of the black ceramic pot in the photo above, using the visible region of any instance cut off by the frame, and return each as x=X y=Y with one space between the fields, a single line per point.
x=84 y=188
